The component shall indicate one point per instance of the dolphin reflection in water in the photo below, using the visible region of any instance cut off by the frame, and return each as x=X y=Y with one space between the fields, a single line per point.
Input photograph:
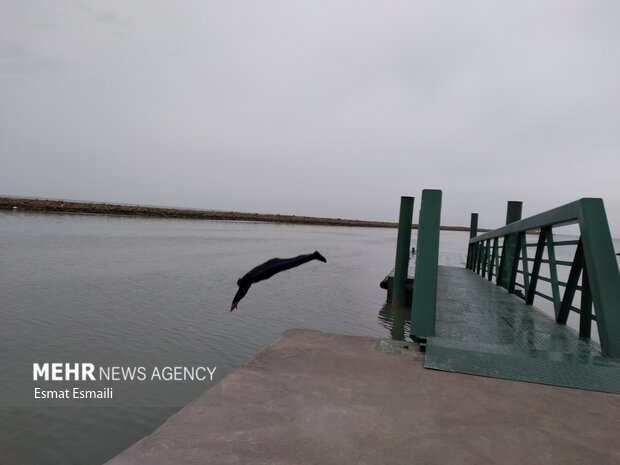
x=267 y=270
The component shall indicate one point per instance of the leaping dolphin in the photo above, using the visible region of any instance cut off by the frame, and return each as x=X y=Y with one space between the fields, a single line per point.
x=267 y=270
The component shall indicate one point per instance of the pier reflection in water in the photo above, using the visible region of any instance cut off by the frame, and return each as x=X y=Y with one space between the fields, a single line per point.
x=396 y=320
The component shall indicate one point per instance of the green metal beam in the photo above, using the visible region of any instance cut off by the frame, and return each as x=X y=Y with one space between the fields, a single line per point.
x=480 y=250
x=473 y=225
x=553 y=271
x=540 y=248
x=571 y=285
x=494 y=258
x=513 y=214
x=526 y=271
x=514 y=210
x=502 y=264
x=585 y=315
x=603 y=275
x=473 y=232
x=487 y=255
x=560 y=216
x=403 y=247
x=425 y=288
x=514 y=262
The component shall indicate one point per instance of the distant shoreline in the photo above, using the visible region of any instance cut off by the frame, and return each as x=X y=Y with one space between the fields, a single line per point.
x=35 y=205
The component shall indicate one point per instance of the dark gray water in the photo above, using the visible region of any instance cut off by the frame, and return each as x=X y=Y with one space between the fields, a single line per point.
x=76 y=287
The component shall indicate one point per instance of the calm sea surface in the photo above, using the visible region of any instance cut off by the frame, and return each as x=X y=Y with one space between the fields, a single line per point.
x=139 y=291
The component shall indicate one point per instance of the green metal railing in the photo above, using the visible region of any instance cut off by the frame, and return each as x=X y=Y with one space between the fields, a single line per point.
x=502 y=255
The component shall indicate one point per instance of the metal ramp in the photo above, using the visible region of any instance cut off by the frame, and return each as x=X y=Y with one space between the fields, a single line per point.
x=483 y=330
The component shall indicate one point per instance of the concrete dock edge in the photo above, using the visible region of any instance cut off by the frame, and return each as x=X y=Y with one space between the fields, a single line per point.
x=317 y=398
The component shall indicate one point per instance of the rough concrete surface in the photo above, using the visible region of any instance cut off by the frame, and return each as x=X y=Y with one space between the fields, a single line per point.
x=316 y=398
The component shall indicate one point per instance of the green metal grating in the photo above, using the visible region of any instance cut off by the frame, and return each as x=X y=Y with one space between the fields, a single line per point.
x=482 y=330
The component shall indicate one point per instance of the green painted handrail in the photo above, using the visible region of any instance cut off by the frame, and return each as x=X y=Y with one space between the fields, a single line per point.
x=594 y=261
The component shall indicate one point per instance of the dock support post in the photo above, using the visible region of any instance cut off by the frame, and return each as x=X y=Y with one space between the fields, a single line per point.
x=424 y=298
x=513 y=213
x=403 y=243
x=473 y=232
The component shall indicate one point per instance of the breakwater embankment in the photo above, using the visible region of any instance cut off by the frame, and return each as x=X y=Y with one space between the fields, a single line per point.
x=66 y=206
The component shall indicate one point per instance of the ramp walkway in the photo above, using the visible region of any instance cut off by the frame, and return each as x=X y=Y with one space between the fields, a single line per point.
x=483 y=330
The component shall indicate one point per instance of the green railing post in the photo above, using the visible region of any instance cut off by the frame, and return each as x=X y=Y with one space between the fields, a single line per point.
x=603 y=275
x=493 y=259
x=487 y=258
x=473 y=232
x=513 y=213
x=553 y=272
x=424 y=298
x=540 y=249
x=403 y=245
x=585 y=317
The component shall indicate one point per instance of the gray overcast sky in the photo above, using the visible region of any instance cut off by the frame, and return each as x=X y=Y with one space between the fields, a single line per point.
x=327 y=108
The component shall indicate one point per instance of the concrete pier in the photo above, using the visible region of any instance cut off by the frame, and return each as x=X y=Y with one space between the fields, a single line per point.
x=316 y=398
